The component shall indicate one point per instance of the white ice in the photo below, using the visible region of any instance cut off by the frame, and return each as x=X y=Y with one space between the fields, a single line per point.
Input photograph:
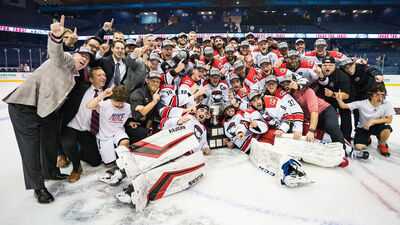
x=232 y=192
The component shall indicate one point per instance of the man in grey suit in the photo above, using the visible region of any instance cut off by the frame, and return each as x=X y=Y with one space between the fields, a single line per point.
x=32 y=107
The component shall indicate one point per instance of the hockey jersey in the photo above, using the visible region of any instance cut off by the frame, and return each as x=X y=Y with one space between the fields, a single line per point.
x=185 y=97
x=241 y=98
x=276 y=114
x=312 y=56
x=251 y=78
x=275 y=56
x=217 y=95
x=293 y=108
x=216 y=63
x=230 y=126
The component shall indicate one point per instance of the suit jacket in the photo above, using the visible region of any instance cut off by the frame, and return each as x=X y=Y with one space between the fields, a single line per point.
x=49 y=85
x=108 y=65
x=136 y=72
x=71 y=106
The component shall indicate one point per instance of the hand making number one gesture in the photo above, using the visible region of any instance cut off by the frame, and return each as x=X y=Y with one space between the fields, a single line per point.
x=57 y=29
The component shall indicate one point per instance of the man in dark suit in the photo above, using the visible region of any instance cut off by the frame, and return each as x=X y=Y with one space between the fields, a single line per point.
x=33 y=105
x=77 y=124
x=129 y=71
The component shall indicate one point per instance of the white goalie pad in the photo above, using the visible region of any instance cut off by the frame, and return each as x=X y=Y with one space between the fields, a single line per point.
x=318 y=153
x=167 y=179
x=155 y=150
x=277 y=164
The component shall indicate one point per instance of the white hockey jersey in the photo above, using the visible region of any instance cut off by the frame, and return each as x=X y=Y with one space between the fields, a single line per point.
x=216 y=95
x=185 y=97
x=276 y=113
x=275 y=56
x=230 y=127
x=312 y=56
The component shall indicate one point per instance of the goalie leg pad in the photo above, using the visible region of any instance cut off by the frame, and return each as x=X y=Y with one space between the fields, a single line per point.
x=168 y=179
x=318 y=152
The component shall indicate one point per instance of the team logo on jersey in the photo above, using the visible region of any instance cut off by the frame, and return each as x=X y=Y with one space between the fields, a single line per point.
x=259 y=76
x=231 y=129
x=310 y=63
x=282 y=70
x=357 y=79
x=220 y=65
x=283 y=93
x=222 y=87
x=272 y=101
x=198 y=132
x=187 y=82
x=216 y=93
x=339 y=53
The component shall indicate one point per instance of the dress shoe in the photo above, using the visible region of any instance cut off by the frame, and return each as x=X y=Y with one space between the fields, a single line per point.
x=62 y=161
x=43 y=196
x=75 y=175
x=60 y=176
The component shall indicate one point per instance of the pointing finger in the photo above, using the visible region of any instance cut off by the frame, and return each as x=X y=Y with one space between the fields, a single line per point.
x=75 y=30
x=108 y=41
x=62 y=20
x=157 y=91
x=112 y=21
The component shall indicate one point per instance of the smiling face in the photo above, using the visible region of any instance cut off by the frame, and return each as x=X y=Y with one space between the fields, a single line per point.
x=98 y=78
x=271 y=86
x=153 y=84
x=230 y=111
x=201 y=114
x=265 y=67
x=198 y=74
x=118 y=50
x=219 y=43
x=167 y=52
x=81 y=60
x=236 y=84
x=320 y=49
x=300 y=46
x=293 y=63
x=350 y=69
x=257 y=103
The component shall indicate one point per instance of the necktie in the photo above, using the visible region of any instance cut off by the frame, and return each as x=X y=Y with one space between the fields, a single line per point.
x=94 y=121
x=86 y=75
x=117 y=76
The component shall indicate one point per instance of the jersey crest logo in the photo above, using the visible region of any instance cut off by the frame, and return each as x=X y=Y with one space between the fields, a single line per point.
x=282 y=70
x=357 y=79
x=187 y=82
x=198 y=132
x=272 y=101
x=310 y=63
x=222 y=87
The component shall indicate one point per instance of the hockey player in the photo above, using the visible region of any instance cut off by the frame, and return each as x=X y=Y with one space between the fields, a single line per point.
x=293 y=108
x=261 y=52
x=320 y=52
x=248 y=75
x=305 y=68
x=182 y=42
x=375 y=115
x=300 y=47
x=219 y=46
x=187 y=97
x=228 y=61
x=209 y=59
x=216 y=89
x=238 y=93
x=276 y=56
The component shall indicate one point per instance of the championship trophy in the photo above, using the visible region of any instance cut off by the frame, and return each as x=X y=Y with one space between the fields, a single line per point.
x=215 y=130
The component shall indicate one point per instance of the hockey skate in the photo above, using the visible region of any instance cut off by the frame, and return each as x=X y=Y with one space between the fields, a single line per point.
x=357 y=154
x=125 y=195
x=113 y=178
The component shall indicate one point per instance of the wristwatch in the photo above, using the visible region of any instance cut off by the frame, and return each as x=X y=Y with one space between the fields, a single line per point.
x=311 y=130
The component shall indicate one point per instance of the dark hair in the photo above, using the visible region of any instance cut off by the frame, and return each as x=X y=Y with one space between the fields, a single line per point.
x=375 y=88
x=114 y=42
x=92 y=71
x=94 y=38
x=120 y=94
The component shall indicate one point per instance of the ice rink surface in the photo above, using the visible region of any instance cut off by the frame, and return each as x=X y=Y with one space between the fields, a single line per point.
x=233 y=191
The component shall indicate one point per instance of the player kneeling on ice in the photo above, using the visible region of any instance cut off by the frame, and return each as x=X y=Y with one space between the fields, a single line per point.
x=244 y=135
x=375 y=115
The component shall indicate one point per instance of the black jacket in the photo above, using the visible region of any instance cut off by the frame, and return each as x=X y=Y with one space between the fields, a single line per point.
x=108 y=65
x=142 y=96
x=362 y=80
x=338 y=80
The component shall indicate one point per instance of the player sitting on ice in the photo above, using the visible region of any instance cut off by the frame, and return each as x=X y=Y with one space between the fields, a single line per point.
x=375 y=115
x=244 y=133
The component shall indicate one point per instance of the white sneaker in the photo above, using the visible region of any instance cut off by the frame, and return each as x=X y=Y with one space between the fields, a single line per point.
x=357 y=154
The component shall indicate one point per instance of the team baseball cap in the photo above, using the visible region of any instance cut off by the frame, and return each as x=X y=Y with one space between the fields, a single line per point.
x=158 y=37
x=227 y=105
x=206 y=39
x=200 y=65
x=299 y=40
x=328 y=59
x=154 y=74
x=320 y=42
x=292 y=53
x=238 y=64
x=215 y=72
x=262 y=39
x=233 y=76
x=244 y=43
x=208 y=51
x=283 y=45
x=170 y=37
x=181 y=34
x=264 y=60
x=229 y=48
x=271 y=78
x=130 y=42
x=182 y=54
x=252 y=94
x=346 y=61
x=154 y=56
x=167 y=65
x=250 y=33
x=167 y=42
x=83 y=49
x=287 y=77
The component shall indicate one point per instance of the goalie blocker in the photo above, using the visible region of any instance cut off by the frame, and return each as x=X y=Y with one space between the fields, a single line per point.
x=158 y=166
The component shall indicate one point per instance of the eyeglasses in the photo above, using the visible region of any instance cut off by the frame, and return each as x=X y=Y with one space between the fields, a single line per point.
x=92 y=46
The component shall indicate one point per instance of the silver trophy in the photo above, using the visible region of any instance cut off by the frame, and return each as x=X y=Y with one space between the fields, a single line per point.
x=215 y=112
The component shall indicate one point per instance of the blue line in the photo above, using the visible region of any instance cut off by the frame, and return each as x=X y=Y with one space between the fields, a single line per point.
x=4 y=118
x=263 y=211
